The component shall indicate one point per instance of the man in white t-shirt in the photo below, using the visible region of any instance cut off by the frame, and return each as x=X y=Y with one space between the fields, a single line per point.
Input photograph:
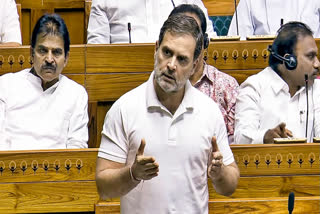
x=162 y=140
x=109 y=20
x=39 y=107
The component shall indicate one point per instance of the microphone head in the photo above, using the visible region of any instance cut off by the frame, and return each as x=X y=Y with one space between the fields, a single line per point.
x=129 y=26
x=291 y=202
x=306 y=77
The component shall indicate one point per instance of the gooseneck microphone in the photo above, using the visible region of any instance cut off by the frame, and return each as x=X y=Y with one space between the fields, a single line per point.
x=129 y=30
x=306 y=81
x=236 y=11
x=291 y=202
x=173 y=4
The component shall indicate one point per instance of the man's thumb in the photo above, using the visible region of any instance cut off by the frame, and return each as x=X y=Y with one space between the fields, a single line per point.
x=141 y=147
x=214 y=144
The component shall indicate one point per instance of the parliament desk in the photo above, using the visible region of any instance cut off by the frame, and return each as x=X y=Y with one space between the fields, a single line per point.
x=47 y=181
x=268 y=173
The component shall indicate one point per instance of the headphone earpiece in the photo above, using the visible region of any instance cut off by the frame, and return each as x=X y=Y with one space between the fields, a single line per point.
x=205 y=41
x=289 y=60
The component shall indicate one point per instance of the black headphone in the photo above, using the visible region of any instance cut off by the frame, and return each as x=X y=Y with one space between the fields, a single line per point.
x=290 y=60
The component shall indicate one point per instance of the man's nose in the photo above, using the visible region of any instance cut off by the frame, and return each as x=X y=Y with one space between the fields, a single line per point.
x=316 y=63
x=172 y=64
x=49 y=57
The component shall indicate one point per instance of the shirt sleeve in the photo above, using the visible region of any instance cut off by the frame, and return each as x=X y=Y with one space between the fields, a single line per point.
x=247 y=115
x=78 y=126
x=98 y=27
x=245 y=25
x=11 y=27
x=221 y=137
x=114 y=139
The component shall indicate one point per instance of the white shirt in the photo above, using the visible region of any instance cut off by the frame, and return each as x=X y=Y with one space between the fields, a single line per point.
x=109 y=20
x=9 y=22
x=263 y=17
x=264 y=102
x=31 y=118
x=180 y=144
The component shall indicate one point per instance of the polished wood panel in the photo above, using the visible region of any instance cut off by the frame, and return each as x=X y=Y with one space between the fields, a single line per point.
x=302 y=205
x=48 y=181
x=220 y=7
x=73 y=11
x=264 y=189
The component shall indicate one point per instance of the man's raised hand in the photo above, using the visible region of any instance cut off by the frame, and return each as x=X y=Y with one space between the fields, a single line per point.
x=144 y=167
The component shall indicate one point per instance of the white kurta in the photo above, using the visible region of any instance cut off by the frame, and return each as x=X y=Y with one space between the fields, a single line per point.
x=31 y=118
x=9 y=22
x=180 y=144
x=109 y=20
x=263 y=17
x=264 y=102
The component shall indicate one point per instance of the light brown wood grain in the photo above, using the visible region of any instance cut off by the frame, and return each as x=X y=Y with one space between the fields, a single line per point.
x=278 y=205
x=45 y=197
x=72 y=11
x=220 y=7
x=109 y=87
x=39 y=159
x=263 y=152
x=272 y=186
x=119 y=58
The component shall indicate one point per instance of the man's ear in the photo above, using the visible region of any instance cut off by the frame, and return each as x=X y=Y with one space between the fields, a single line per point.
x=66 y=59
x=157 y=46
x=194 y=66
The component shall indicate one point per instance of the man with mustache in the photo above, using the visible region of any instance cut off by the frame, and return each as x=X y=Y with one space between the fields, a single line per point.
x=273 y=103
x=39 y=107
x=162 y=140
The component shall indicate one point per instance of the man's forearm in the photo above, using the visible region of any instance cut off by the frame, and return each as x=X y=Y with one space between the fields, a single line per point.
x=113 y=183
x=226 y=183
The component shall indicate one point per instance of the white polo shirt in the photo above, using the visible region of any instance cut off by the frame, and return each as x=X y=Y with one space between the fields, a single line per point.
x=180 y=143
x=31 y=118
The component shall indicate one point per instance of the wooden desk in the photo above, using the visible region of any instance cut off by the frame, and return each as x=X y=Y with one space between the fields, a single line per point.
x=48 y=181
x=268 y=174
x=64 y=181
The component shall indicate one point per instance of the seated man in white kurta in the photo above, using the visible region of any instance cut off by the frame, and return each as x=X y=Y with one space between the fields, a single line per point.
x=39 y=107
x=273 y=103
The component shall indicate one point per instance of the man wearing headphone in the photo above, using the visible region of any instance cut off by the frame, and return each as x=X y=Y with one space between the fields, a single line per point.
x=219 y=86
x=281 y=100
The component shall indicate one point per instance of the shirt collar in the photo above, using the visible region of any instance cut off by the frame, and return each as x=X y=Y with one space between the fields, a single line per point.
x=207 y=73
x=277 y=83
x=153 y=101
x=37 y=81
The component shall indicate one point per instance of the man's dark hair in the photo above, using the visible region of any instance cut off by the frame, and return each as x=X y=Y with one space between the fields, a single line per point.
x=193 y=9
x=51 y=24
x=181 y=24
x=286 y=41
